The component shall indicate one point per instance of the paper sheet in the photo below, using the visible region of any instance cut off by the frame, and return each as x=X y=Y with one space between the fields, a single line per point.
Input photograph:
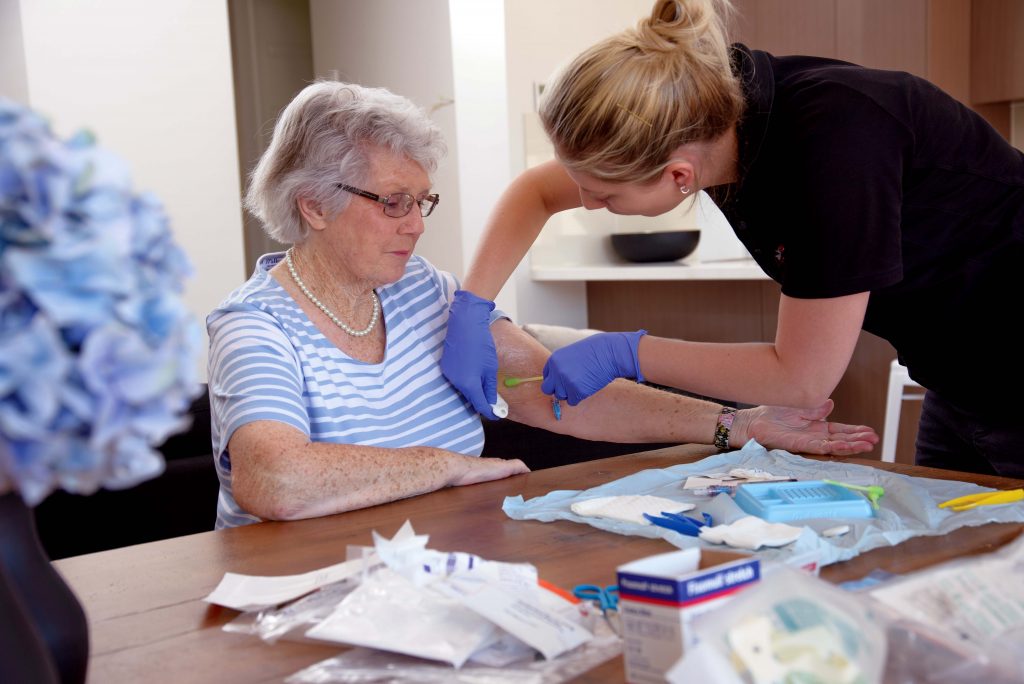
x=254 y=592
x=535 y=616
x=628 y=508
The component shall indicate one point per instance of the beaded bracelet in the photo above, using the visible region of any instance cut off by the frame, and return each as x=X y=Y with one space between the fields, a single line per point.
x=723 y=427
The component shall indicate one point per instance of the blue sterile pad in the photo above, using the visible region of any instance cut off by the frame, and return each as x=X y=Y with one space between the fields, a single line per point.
x=908 y=509
x=786 y=501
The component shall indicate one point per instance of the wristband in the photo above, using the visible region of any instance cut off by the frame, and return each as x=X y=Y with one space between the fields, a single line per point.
x=723 y=427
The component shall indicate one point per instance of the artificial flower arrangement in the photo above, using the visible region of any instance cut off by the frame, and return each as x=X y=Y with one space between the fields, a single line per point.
x=98 y=353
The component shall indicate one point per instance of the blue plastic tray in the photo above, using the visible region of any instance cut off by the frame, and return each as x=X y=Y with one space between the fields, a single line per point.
x=783 y=501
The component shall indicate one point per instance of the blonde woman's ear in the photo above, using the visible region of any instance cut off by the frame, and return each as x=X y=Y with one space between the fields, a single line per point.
x=682 y=176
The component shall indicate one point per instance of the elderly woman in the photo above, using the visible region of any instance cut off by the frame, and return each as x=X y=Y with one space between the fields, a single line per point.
x=326 y=389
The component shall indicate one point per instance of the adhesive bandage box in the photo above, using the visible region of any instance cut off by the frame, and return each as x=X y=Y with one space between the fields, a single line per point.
x=660 y=595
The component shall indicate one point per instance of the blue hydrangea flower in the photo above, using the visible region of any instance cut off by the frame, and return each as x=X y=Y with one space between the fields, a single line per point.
x=97 y=350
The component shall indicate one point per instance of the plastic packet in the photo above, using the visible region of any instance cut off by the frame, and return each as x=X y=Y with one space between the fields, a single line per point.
x=958 y=621
x=919 y=652
x=789 y=627
x=389 y=612
x=502 y=650
x=292 y=620
x=368 y=665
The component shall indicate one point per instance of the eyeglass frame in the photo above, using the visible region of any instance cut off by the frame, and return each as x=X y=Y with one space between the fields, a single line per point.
x=433 y=198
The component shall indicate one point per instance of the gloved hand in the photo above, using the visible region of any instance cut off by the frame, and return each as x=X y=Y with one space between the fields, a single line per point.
x=469 y=359
x=575 y=372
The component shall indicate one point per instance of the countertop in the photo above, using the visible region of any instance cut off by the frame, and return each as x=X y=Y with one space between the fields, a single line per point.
x=684 y=269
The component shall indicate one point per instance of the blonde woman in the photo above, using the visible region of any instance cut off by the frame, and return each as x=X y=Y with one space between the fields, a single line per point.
x=876 y=200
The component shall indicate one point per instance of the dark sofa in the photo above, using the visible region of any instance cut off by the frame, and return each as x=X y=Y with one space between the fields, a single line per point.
x=183 y=500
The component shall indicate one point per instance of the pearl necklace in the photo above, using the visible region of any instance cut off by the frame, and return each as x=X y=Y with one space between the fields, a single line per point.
x=328 y=312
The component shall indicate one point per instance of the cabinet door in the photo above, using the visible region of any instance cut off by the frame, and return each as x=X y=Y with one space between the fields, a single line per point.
x=787 y=27
x=928 y=38
x=882 y=34
x=997 y=51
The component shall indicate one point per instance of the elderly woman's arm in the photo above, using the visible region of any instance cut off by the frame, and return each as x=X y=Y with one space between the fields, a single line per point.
x=278 y=474
x=629 y=412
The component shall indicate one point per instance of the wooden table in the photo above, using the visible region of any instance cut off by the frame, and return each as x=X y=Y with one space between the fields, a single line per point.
x=148 y=622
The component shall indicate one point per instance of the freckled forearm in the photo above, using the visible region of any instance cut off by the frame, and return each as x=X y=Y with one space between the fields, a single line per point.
x=625 y=412
x=323 y=479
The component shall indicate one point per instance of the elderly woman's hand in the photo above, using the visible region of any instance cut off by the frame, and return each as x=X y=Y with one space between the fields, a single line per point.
x=801 y=431
x=486 y=469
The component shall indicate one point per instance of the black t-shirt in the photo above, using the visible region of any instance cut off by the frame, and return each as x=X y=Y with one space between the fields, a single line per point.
x=855 y=180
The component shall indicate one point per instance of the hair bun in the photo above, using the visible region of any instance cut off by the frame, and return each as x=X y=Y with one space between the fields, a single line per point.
x=673 y=23
x=667 y=12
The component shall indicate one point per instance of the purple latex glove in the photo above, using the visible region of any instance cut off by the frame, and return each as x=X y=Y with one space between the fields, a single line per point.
x=575 y=372
x=469 y=359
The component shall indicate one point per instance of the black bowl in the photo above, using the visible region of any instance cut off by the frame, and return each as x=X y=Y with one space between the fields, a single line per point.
x=668 y=245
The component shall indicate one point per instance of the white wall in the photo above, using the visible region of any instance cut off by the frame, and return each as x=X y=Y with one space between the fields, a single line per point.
x=541 y=35
x=153 y=81
x=404 y=46
x=13 y=83
x=481 y=113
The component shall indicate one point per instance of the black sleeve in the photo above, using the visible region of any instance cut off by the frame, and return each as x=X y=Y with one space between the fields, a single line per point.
x=846 y=157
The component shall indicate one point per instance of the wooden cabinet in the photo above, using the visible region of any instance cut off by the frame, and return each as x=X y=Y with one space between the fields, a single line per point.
x=928 y=38
x=787 y=27
x=997 y=51
x=972 y=49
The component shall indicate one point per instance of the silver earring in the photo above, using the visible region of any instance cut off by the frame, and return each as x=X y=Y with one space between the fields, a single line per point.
x=683 y=189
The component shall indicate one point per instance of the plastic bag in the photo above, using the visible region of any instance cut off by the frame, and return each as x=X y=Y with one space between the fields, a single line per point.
x=789 y=627
x=292 y=620
x=961 y=621
x=360 y=665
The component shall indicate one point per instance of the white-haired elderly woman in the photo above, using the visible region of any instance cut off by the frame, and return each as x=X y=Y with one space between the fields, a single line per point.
x=326 y=389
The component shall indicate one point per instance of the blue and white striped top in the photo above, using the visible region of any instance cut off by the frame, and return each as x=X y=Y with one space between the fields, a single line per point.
x=269 y=362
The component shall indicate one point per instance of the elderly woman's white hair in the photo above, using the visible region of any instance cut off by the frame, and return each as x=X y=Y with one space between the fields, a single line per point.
x=321 y=139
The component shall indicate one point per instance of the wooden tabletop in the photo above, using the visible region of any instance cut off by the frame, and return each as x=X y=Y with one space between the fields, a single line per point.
x=148 y=621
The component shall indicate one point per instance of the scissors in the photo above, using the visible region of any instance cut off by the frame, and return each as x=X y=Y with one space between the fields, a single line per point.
x=606 y=598
x=966 y=503
x=679 y=523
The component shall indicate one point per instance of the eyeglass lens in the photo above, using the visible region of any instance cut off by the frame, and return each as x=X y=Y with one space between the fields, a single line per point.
x=399 y=204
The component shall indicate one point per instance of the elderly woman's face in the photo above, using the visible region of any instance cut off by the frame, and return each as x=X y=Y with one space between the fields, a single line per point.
x=370 y=245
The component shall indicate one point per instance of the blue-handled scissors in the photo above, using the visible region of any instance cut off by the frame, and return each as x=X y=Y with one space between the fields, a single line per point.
x=606 y=598
x=679 y=523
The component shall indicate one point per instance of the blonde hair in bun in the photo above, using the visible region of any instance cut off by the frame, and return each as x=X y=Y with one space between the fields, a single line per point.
x=620 y=109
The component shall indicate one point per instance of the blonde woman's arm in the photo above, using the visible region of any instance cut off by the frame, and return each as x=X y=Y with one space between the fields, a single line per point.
x=630 y=412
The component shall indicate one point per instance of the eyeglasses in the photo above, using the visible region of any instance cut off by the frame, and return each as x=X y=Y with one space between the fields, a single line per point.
x=397 y=204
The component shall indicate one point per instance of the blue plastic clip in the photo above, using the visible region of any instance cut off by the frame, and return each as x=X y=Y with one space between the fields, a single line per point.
x=680 y=523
